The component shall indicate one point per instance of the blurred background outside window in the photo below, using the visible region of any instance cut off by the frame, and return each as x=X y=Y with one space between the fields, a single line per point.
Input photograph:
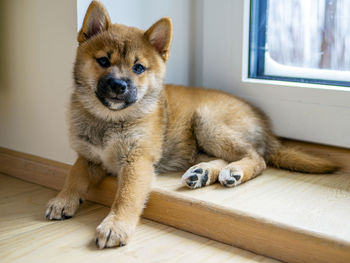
x=307 y=39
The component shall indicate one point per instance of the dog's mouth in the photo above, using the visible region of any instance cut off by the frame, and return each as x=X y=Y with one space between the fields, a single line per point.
x=115 y=100
x=115 y=103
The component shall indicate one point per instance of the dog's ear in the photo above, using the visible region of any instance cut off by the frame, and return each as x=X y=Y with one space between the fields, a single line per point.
x=96 y=20
x=160 y=36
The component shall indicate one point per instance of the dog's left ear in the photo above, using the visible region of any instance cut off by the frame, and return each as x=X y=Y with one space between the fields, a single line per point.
x=160 y=36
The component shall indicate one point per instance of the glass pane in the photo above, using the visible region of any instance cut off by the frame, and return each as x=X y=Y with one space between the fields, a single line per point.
x=309 y=33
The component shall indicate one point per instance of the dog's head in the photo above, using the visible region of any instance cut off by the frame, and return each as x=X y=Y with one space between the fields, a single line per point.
x=118 y=66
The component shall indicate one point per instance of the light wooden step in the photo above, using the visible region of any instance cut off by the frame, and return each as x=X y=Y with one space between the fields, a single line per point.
x=287 y=216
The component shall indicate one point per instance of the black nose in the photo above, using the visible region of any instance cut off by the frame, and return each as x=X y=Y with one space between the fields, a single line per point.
x=118 y=86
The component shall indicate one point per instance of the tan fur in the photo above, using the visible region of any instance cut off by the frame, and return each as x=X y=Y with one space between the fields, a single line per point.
x=296 y=160
x=214 y=135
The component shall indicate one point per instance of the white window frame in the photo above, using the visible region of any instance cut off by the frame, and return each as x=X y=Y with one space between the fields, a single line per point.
x=308 y=112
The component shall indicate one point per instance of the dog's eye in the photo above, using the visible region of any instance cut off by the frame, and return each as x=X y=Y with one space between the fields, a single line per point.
x=138 y=68
x=103 y=62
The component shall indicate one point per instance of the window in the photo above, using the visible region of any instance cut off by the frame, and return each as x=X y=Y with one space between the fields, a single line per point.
x=300 y=40
x=298 y=110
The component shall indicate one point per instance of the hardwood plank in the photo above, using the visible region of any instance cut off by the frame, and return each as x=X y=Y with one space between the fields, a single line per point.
x=24 y=211
x=288 y=216
x=38 y=240
x=9 y=183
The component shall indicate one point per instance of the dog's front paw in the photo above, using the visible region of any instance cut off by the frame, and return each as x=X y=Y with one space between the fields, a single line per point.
x=113 y=233
x=63 y=206
x=230 y=177
x=197 y=176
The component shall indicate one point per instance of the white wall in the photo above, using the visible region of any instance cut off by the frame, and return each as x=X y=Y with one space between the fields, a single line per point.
x=37 y=53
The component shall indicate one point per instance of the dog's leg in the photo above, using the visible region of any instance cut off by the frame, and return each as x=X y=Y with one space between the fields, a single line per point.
x=228 y=140
x=81 y=176
x=134 y=184
x=205 y=172
x=241 y=171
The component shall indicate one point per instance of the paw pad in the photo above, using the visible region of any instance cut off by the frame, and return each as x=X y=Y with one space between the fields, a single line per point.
x=195 y=177
x=230 y=178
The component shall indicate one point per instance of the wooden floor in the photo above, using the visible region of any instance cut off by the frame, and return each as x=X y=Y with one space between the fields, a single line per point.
x=25 y=236
x=287 y=216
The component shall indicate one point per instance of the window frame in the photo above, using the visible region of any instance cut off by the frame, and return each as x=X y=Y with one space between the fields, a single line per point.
x=257 y=49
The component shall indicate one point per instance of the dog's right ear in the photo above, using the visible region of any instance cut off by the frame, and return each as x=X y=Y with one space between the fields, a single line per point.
x=96 y=20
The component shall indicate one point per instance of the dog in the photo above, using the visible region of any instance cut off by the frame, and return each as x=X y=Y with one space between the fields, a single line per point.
x=125 y=122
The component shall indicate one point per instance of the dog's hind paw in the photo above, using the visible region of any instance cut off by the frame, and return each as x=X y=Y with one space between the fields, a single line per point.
x=196 y=177
x=230 y=177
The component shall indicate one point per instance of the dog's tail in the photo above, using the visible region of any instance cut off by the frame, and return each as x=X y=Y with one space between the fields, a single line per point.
x=296 y=160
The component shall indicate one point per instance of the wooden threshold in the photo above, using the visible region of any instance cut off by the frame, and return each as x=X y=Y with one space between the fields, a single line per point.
x=246 y=216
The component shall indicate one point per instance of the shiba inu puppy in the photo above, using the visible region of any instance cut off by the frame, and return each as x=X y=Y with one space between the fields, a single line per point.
x=124 y=121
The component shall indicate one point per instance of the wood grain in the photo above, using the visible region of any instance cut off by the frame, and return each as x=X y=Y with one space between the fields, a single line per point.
x=287 y=216
x=25 y=236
